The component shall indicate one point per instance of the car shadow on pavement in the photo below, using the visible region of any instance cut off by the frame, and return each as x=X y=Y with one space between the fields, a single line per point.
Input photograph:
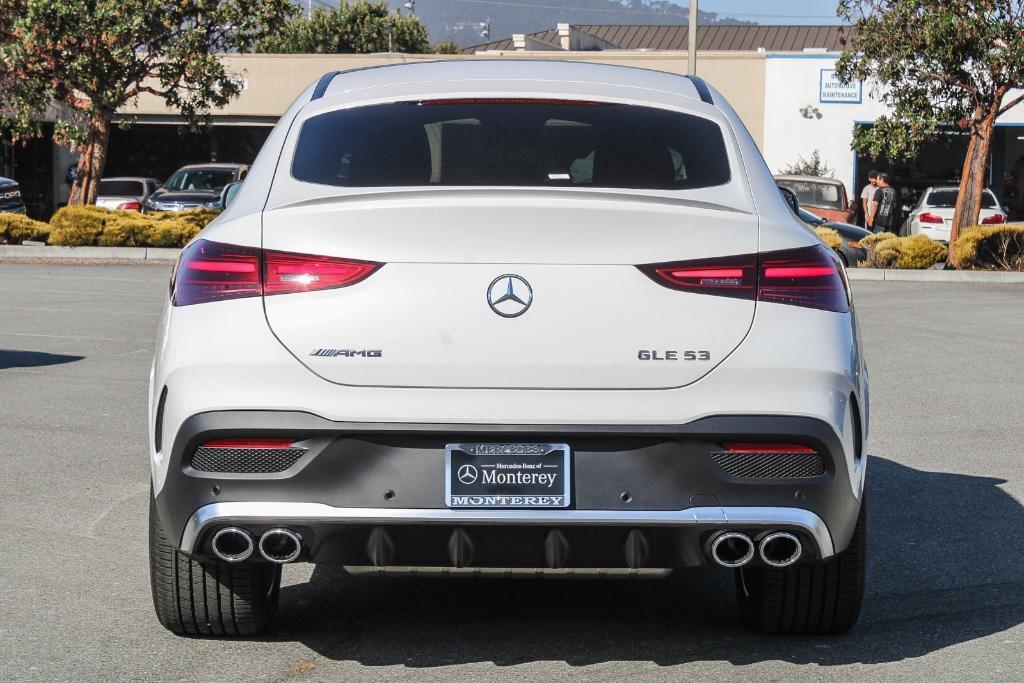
x=946 y=566
x=10 y=358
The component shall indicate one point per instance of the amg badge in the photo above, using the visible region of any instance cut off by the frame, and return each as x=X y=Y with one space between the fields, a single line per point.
x=347 y=353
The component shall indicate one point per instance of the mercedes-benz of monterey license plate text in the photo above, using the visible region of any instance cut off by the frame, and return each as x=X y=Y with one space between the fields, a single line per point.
x=507 y=475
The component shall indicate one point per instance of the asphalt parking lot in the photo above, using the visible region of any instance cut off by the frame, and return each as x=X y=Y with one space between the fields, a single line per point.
x=946 y=578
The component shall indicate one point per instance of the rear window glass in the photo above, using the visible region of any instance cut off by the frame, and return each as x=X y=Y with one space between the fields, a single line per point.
x=121 y=188
x=511 y=143
x=823 y=195
x=946 y=199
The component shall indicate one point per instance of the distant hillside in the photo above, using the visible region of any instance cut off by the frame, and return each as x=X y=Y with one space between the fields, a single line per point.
x=460 y=20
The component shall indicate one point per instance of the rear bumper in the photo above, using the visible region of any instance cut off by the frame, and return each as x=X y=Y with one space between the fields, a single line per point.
x=614 y=539
x=678 y=496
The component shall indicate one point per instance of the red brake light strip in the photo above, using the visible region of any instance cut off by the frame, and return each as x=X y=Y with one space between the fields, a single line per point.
x=734 y=447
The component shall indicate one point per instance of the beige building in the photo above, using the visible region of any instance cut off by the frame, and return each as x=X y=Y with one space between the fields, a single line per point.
x=271 y=82
x=732 y=58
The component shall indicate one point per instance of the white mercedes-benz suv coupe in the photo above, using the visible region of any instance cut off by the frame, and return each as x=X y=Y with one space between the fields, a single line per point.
x=488 y=317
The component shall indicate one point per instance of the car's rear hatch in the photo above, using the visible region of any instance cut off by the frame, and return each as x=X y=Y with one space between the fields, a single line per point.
x=493 y=203
x=423 y=319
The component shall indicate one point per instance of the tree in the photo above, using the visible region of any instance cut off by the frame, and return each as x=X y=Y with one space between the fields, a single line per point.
x=353 y=27
x=86 y=60
x=937 y=63
x=813 y=166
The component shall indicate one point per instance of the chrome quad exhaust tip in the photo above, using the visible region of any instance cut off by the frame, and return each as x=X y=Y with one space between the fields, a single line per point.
x=780 y=549
x=232 y=544
x=732 y=549
x=280 y=545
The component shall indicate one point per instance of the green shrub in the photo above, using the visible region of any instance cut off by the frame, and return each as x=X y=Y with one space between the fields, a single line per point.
x=197 y=217
x=78 y=226
x=916 y=252
x=16 y=228
x=877 y=237
x=125 y=232
x=990 y=247
x=89 y=225
x=171 y=233
x=830 y=237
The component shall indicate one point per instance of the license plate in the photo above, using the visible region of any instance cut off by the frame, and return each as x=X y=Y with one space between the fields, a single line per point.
x=507 y=475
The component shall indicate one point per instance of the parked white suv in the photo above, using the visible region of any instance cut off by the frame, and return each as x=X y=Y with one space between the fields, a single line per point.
x=518 y=316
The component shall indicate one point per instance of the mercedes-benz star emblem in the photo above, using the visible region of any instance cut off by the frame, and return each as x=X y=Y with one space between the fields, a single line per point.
x=509 y=296
x=467 y=474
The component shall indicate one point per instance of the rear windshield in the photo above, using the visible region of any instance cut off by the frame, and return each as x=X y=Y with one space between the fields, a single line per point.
x=121 y=188
x=946 y=199
x=511 y=142
x=822 y=195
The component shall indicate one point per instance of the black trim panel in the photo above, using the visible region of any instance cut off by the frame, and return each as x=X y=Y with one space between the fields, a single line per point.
x=662 y=467
x=321 y=85
x=702 y=89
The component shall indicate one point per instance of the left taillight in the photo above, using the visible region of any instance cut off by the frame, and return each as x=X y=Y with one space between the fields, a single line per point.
x=810 y=277
x=214 y=271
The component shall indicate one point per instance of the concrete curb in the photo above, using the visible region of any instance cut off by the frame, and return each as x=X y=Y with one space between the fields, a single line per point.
x=963 y=276
x=89 y=253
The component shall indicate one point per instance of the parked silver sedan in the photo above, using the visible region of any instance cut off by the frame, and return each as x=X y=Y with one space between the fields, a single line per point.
x=125 y=194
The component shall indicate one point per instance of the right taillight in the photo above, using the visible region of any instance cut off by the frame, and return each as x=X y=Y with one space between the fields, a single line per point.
x=994 y=219
x=214 y=271
x=808 y=276
x=930 y=218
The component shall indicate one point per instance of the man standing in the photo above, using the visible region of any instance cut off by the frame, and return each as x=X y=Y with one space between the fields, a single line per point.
x=882 y=214
x=867 y=194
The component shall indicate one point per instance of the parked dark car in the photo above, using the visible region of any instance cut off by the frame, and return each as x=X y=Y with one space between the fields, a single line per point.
x=11 y=200
x=850 y=250
x=195 y=187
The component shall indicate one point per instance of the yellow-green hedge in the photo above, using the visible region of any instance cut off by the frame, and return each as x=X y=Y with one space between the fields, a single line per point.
x=916 y=252
x=78 y=226
x=16 y=228
x=876 y=238
x=990 y=247
x=830 y=237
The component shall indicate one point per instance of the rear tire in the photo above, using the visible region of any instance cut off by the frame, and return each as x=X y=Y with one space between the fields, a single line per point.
x=209 y=598
x=810 y=599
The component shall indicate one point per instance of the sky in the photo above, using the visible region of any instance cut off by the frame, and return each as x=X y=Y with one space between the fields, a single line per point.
x=774 y=11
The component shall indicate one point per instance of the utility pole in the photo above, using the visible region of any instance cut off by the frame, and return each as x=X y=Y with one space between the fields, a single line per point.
x=691 y=39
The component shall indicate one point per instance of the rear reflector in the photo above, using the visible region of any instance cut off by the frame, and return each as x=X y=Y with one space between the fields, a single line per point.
x=249 y=443
x=809 y=276
x=736 y=447
x=214 y=271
